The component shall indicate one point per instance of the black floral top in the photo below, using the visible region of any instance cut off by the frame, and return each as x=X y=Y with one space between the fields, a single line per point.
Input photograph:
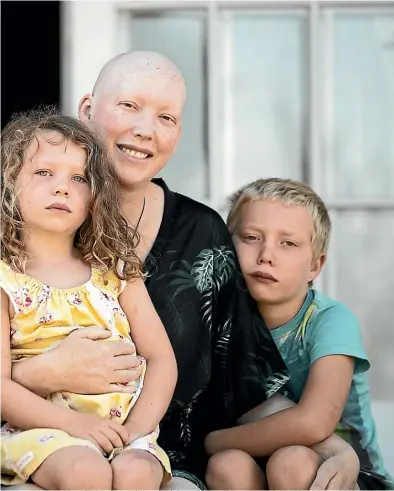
x=227 y=361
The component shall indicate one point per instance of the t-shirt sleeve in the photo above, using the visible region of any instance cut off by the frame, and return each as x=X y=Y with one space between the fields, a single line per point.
x=242 y=344
x=336 y=331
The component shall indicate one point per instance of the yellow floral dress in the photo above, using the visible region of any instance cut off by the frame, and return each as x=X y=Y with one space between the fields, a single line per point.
x=43 y=317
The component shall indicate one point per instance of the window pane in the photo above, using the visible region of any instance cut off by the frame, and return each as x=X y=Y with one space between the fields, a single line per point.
x=358 y=134
x=266 y=83
x=182 y=37
x=363 y=243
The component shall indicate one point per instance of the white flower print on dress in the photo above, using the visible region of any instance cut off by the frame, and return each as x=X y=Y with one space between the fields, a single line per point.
x=8 y=430
x=22 y=298
x=44 y=294
x=45 y=438
x=13 y=335
x=117 y=310
x=115 y=413
x=45 y=318
x=75 y=298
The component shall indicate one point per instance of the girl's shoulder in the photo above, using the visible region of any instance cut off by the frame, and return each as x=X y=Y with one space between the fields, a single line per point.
x=108 y=282
x=9 y=277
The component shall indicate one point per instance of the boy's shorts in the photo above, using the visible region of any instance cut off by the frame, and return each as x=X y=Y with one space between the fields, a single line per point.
x=370 y=481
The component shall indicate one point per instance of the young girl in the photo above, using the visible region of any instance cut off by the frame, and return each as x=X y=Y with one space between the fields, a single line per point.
x=69 y=262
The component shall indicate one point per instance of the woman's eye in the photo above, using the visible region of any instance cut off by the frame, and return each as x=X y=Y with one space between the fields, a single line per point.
x=129 y=105
x=168 y=118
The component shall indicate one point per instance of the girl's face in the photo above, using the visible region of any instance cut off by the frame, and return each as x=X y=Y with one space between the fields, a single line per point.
x=52 y=190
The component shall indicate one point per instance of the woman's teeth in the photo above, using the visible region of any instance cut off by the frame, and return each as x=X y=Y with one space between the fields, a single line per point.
x=134 y=153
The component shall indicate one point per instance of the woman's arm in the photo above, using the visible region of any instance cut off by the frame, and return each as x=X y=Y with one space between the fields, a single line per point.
x=151 y=340
x=80 y=365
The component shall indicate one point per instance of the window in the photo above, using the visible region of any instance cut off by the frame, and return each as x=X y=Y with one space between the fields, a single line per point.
x=358 y=95
x=182 y=36
x=265 y=82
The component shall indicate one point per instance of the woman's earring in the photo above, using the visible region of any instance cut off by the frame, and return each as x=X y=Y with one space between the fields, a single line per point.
x=89 y=116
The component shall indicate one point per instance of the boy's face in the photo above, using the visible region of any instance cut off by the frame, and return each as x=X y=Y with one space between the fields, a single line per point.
x=274 y=246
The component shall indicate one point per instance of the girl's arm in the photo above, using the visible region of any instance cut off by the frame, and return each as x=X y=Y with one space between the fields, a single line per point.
x=26 y=410
x=151 y=340
x=19 y=406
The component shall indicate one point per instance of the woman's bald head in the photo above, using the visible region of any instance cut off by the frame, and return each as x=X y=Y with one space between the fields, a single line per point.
x=134 y=64
x=136 y=107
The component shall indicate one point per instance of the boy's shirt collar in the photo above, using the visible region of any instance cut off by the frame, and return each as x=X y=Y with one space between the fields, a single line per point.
x=297 y=319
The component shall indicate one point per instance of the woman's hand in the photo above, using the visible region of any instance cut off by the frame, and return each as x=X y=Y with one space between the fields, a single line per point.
x=81 y=365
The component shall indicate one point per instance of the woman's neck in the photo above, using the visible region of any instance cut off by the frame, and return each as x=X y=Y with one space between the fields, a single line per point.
x=133 y=203
x=144 y=206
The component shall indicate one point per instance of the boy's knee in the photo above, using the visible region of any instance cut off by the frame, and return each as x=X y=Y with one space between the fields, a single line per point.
x=292 y=467
x=136 y=469
x=223 y=465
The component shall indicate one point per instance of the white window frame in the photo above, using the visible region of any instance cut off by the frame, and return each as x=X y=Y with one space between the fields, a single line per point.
x=91 y=36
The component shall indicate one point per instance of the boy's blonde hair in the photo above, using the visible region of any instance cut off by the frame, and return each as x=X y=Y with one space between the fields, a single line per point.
x=289 y=192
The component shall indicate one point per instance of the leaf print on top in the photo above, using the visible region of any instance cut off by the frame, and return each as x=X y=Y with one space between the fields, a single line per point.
x=184 y=413
x=210 y=271
x=222 y=342
x=275 y=382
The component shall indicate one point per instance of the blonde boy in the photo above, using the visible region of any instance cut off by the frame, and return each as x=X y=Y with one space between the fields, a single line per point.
x=281 y=231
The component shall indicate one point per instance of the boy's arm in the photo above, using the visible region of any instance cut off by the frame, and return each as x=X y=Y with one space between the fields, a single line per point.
x=19 y=406
x=312 y=420
x=151 y=340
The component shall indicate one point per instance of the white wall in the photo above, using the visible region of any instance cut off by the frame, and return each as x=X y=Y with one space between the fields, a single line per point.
x=88 y=42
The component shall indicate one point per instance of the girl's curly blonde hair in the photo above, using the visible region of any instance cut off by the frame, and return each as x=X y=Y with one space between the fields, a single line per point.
x=105 y=239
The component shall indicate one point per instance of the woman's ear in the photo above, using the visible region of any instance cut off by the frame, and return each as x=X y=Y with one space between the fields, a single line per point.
x=84 y=108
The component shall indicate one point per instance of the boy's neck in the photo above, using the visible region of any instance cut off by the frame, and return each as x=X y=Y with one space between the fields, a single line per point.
x=276 y=315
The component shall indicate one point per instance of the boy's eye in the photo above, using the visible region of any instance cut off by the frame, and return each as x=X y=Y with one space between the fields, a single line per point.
x=251 y=237
x=289 y=243
x=79 y=179
x=43 y=173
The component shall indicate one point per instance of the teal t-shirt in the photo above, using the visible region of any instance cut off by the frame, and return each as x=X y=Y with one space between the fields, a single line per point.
x=326 y=327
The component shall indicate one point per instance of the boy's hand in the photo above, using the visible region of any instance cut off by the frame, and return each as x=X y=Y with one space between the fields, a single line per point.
x=338 y=472
x=104 y=433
